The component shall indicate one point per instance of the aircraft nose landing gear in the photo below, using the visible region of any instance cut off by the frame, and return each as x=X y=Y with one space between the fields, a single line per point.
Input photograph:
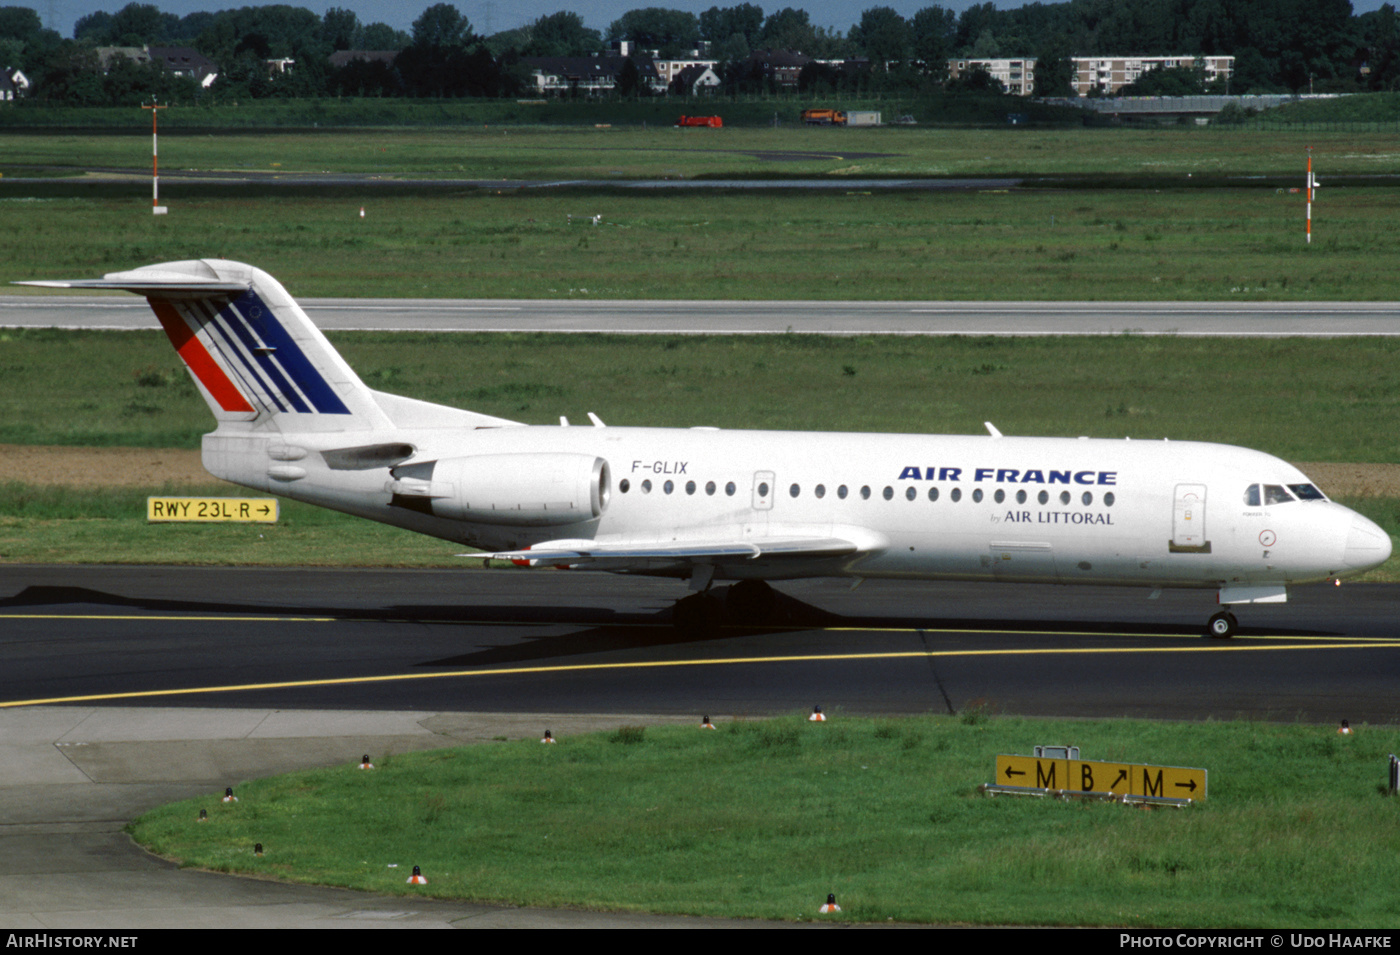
x=1222 y=625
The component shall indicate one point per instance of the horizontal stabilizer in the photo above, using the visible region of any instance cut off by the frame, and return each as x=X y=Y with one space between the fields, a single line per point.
x=193 y=279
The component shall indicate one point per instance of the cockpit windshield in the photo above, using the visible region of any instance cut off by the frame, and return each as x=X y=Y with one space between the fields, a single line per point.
x=1270 y=494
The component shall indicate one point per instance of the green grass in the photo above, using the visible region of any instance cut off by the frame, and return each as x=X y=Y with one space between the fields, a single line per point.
x=1301 y=399
x=491 y=151
x=85 y=525
x=763 y=819
x=1236 y=245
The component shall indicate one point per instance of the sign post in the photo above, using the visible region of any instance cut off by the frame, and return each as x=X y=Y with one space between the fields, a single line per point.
x=1311 y=183
x=156 y=207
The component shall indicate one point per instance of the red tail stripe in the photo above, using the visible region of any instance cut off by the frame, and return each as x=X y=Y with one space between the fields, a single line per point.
x=193 y=353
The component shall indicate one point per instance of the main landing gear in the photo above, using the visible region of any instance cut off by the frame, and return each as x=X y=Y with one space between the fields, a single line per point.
x=1222 y=625
x=747 y=602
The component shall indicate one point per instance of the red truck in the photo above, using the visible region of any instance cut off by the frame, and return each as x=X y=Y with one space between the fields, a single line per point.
x=712 y=121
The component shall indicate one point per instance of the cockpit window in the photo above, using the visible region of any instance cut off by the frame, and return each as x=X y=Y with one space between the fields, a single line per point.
x=1306 y=492
x=1276 y=494
x=1251 y=496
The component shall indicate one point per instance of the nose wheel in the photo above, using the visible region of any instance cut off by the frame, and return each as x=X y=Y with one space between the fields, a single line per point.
x=1222 y=626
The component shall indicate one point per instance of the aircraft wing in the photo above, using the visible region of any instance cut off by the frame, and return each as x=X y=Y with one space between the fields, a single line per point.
x=641 y=553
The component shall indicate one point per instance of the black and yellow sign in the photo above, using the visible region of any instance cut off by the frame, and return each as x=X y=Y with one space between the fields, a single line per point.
x=258 y=509
x=1089 y=776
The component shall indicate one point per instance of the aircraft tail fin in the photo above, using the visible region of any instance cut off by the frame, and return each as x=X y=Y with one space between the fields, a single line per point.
x=255 y=355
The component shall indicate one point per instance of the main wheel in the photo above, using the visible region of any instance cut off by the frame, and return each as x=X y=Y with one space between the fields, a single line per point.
x=1223 y=625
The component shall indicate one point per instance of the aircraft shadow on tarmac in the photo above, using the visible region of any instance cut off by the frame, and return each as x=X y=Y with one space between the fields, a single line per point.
x=602 y=629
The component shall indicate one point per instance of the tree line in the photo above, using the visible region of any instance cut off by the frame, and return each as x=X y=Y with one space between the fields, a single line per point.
x=1278 y=45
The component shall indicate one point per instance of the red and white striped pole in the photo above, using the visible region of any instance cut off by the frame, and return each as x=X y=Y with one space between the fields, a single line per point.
x=156 y=207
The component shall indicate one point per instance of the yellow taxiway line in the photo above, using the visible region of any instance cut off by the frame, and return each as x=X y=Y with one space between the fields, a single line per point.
x=1233 y=647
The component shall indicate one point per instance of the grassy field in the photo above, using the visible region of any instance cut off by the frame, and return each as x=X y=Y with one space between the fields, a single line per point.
x=1301 y=399
x=763 y=819
x=1116 y=214
x=65 y=525
x=483 y=151
x=1179 y=244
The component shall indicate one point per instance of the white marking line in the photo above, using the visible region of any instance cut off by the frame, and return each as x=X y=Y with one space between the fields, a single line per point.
x=412 y=308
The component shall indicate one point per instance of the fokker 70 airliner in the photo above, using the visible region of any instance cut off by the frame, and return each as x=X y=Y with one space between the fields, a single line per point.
x=705 y=505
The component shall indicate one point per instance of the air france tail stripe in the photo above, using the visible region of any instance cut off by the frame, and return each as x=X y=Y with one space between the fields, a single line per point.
x=269 y=375
x=236 y=362
x=198 y=360
x=287 y=355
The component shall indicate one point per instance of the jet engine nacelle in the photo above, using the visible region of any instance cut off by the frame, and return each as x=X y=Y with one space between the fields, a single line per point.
x=523 y=490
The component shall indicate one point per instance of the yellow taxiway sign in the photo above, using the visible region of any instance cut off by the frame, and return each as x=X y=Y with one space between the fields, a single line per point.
x=257 y=509
x=1091 y=776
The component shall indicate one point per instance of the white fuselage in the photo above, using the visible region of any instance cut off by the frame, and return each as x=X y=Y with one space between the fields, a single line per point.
x=1156 y=513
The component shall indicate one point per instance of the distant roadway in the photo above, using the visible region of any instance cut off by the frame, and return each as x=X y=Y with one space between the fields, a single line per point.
x=1246 y=319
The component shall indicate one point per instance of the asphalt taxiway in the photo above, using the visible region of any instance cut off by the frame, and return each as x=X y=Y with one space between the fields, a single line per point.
x=129 y=687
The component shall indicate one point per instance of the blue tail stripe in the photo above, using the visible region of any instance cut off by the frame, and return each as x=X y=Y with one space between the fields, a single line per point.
x=287 y=355
x=237 y=323
x=232 y=353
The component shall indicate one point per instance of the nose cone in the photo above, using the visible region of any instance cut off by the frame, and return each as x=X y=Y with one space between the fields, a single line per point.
x=1367 y=545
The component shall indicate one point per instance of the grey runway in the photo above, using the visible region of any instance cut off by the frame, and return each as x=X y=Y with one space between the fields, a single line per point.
x=580 y=315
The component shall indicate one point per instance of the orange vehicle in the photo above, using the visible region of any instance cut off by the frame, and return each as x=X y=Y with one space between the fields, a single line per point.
x=711 y=121
x=823 y=117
